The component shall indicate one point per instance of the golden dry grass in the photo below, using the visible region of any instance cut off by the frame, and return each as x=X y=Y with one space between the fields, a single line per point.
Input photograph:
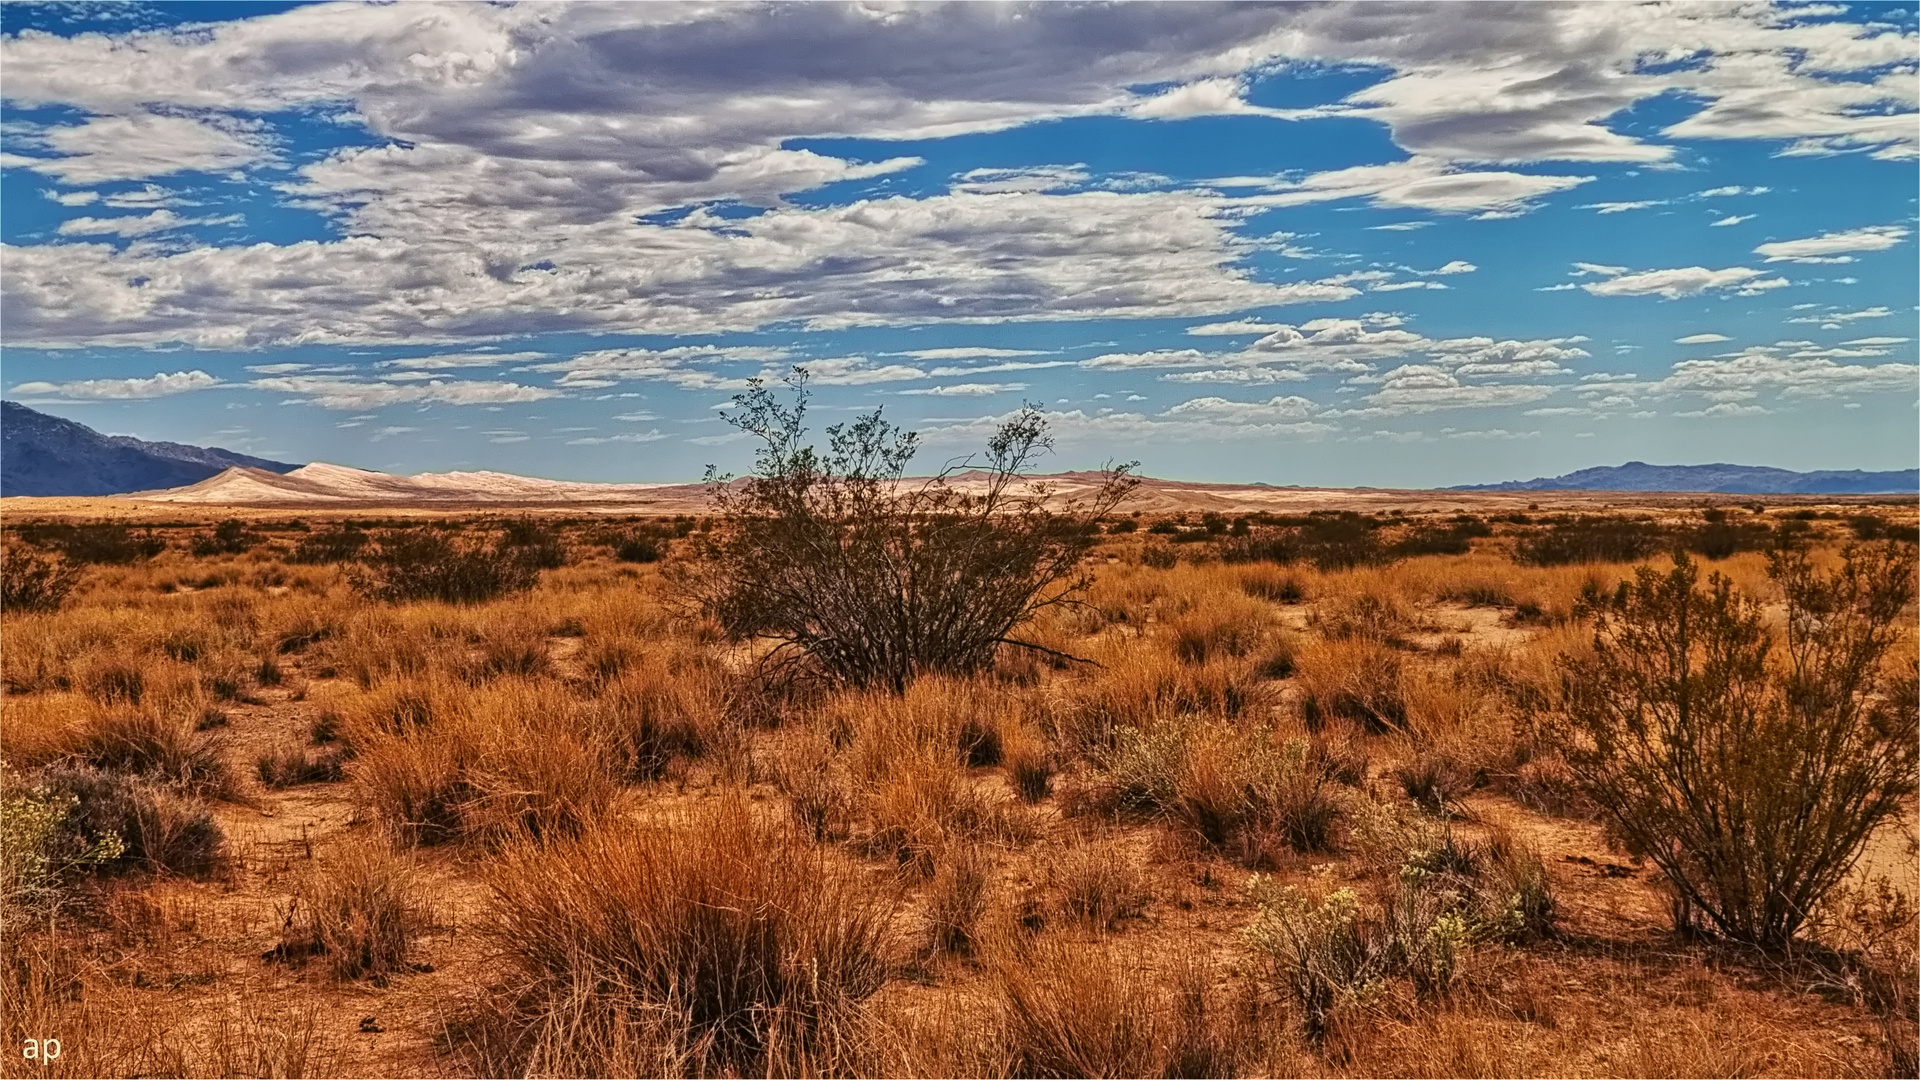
x=570 y=833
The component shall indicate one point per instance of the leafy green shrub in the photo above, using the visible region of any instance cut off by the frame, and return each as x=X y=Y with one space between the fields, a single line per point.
x=1750 y=771
x=29 y=581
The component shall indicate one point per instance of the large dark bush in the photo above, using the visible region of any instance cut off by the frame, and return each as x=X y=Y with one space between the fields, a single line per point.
x=422 y=564
x=113 y=545
x=157 y=829
x=342 y=544
x=230 y=537
x=874 y=578
x=30 y=581
x=1750 y=769
x=1590 y=540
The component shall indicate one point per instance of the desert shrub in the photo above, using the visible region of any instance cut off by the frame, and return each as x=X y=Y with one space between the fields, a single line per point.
x=1239 y=788
x=424 y=564
x=1454 y=539
x=342 y=544
x=230 y=537
x=1334 y=540
x=1030 y=763
x=1752 y=776
x=708 y=945
x=29 y=581
x=1375 y=614
x=111 y=545
x=1721 y=539
x=1591 y=540
x=925 y=802
x=362 y=912
x=38 y=851
x=155 y=828
x=517 y=764
x=639 y=549
x=533 y=542
x=1138 y=688
x=1158 y=558
x=1226 y=626
x=873 y=580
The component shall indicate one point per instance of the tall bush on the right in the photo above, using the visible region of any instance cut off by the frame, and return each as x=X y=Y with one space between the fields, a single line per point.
x=1749 y=767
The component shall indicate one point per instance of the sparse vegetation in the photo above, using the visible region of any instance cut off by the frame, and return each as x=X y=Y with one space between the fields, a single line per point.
x=572 y=828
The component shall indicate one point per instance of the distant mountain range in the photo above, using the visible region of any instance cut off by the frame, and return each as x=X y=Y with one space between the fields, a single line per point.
x=1725 y=479
x=48 y=455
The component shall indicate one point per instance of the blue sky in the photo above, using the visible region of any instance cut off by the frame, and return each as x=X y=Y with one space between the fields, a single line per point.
x=1323 y=245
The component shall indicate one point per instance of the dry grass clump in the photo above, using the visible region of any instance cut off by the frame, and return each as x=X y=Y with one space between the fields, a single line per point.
x=715 y=944
x=959 y=897
x=926 y=802
x=1358 y=679
x=516 y=761
x=1139 y=688
x=1099 y=884
x=1069 y=1010
x=291 y=764
x=361 y=911
x=660 y=704
x=1245 y=789
x=1224 y=625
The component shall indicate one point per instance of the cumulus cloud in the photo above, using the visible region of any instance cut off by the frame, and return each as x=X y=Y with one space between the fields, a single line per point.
x=969 y=353
x=142 y=144
x=163 y=384
x=129 y=226
x=1831 y=247
x=1682 y=281
x=522 y=149
x=1701 y=339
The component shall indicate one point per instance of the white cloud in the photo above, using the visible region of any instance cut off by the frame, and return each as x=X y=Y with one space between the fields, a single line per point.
x=340 y=392
x=630 y=437
x=1725 y=409
x=1398 y=286
x=965 y=389
x=987 y=369
x=131 y=226
x=1421 y=183
x=1621 y=207
x=1272 y=410
x=452 y=361
x=1700 y=339
x=965 y=353
x=163 y=384
x=142 y=144
x=1683 y=281
x=1828 y=247
x=1456 y=266
x=1875 y=312
x=1734 y=219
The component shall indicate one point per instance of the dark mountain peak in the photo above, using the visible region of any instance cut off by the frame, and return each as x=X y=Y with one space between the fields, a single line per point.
x=1719 y=477
x=41 y=454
